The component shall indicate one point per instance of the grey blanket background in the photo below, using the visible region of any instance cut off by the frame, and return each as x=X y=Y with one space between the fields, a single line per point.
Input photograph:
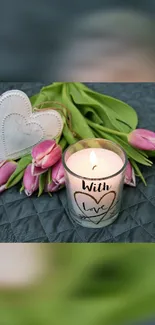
x=46 y=219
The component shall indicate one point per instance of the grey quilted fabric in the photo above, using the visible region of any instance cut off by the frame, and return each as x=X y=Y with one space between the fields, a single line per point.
x=46 y=219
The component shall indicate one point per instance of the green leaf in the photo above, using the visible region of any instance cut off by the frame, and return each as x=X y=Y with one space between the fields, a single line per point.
x=82 y=99
x=42 y=182
x=90 y=114
x=49 y=93
x=22 y=188
x=112 y=111
x=79 y=124
x=63 y=143
x=49 y=176
x=138 y=171
x=124 y=114
x=70 y=139
x=19 y=172
x=78 y=85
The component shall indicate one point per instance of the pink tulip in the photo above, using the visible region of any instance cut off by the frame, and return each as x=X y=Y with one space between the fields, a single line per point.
x=6 y=170
x=130 y=178
x=58 y=179
x=142 y=139
x=30 y=182
x=46 y=154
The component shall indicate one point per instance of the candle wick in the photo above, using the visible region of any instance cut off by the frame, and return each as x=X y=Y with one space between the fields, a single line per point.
x=94 y=167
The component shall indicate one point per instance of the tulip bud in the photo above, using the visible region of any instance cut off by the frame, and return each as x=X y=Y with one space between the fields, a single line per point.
x=58 y=173
x=130 y=178
x=6 y=170
x=46 y=154
x=30 y=182
x=58 y=179
x=142 y=139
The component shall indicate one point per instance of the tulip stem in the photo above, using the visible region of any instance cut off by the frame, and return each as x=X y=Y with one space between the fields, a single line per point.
x=102 y=128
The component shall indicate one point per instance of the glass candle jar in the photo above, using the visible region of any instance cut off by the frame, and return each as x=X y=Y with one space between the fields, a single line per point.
x=94 y=174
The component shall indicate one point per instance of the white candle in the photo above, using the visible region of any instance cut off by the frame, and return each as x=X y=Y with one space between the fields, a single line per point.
x=91 y=198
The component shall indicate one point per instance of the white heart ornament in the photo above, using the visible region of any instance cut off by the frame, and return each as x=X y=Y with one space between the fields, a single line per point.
x=20 y=129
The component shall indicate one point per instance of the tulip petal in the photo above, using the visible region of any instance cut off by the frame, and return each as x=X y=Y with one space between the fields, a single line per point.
x=58 y=172
x=2 y=162
x=50 y=159
x=52 y=187
x=6 y=170
x=62 y=181
x=133 y=180
x=3 y=188
x=36 y=171
x=57 y=176
x=42 y=149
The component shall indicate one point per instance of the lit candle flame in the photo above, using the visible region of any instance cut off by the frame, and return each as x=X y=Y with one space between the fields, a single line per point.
x=93 y=159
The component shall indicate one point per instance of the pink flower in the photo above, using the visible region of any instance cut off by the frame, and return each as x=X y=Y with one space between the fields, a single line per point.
x=57 y=176
x=130 y=178
x=6 y=170
x=142 y=139
x=30 y=182
x=46 y=154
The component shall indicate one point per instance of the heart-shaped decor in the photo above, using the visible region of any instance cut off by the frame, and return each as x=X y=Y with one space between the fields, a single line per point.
x=92 y=209
x=20 y=129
